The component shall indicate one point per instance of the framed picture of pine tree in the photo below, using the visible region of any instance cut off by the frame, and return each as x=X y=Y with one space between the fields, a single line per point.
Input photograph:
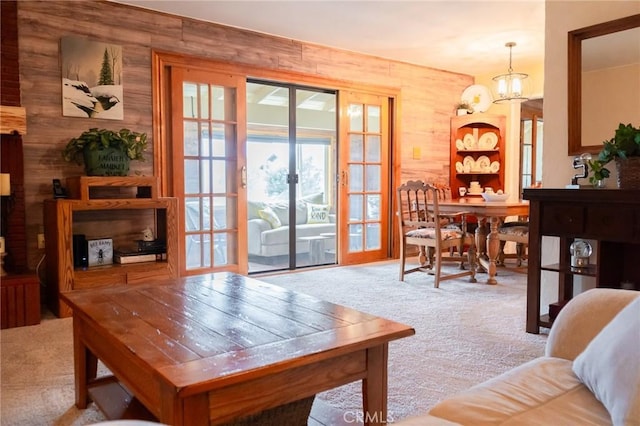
x=91 y=79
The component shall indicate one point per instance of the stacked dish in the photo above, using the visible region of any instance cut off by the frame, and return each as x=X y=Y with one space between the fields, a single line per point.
x=475 y=188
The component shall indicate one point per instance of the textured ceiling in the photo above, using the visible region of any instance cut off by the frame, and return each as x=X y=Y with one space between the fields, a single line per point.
x=461 y=36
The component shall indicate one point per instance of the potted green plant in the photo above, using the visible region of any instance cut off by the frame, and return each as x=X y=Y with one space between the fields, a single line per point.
x=624 y=149
x=106 y=152
x=463 y=108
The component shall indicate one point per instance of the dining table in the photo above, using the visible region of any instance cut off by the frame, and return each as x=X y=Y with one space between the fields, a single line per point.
x=492 y=212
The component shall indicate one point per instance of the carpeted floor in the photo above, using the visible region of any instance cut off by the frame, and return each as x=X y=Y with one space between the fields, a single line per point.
x=465 y=333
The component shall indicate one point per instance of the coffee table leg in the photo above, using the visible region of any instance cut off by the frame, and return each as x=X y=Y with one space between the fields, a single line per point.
x=85 y=366
x=374 y=387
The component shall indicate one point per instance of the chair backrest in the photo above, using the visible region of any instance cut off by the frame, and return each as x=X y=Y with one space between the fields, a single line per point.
x=417 y=205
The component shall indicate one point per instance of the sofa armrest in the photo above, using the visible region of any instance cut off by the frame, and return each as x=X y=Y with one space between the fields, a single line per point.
x=255 y=228
x=582 y=318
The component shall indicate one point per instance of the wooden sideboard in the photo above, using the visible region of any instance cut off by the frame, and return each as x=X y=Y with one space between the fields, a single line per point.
x=610 y=217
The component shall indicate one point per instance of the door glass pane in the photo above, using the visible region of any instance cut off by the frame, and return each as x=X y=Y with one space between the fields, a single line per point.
x=191 y=177
x=205 y=176
x=373 y=149
x=373 y=118
x=355 y=117
x=373 y=178
x=356 y=207
x=373 y=207
x=356 y=177
x=356 y=147
x=219 y=140
x=373 y=236
x=267 y=171
x=219 y=176
x=204 y=101
x=355 y=237
x=191 y=138
x=218 y=104
x=220 y=213
x=205 y=140
x=190 y=100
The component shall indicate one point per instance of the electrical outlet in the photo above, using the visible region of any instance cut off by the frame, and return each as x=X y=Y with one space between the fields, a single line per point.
x=40 y=241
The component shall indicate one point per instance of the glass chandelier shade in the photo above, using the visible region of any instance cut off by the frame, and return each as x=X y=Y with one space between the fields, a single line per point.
x=510 y=86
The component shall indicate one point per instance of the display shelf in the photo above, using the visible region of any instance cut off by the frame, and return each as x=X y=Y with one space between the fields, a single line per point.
x=478 y=173
x=475 y=151
x=91 y=187
x=473 y=127
x=122 y=220
x=589 y=271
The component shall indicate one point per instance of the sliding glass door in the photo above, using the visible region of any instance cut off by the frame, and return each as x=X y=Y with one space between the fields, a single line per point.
x=291 y=169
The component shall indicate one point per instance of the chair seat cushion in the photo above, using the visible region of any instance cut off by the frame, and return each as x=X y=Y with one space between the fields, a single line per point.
x=447 y=233
x=515 y=230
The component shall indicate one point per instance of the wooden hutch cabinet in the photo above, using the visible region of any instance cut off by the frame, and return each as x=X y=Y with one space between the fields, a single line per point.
x=477 y=151
x=611 y=217
x=106 y=207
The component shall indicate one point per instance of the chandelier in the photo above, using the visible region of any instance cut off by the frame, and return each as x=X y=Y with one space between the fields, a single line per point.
x=510 y=85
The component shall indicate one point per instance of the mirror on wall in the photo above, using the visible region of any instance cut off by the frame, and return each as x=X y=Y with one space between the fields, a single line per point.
x=603 y=83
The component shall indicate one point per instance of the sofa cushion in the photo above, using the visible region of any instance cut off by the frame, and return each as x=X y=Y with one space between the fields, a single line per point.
x=269 y=215
x=253 y=207
x=282 y=211
x=610 y=366
x=317 y=213
x=542 y=391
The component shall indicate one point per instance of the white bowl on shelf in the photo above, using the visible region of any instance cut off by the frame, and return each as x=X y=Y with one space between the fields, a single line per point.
x=490 y=196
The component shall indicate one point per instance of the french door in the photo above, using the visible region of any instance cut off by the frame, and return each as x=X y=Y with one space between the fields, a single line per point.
x=208 y=146
x=330 y=150
x=364 y=177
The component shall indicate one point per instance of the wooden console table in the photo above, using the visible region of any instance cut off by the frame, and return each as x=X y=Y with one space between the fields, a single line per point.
x=611 y=217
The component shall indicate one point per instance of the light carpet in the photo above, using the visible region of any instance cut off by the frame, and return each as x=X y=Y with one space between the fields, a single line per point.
x=465 y=334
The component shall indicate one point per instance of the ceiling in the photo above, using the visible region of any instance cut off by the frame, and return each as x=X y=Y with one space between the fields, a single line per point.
x=461 y=36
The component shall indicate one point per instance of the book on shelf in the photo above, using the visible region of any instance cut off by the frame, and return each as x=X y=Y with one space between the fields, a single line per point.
x=125 y=257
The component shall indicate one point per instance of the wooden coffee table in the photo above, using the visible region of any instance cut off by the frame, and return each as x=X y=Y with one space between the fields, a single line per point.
x=214 y=348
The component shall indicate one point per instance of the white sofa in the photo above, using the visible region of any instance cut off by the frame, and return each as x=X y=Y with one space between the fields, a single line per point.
x=268 y=226
x=589 y=375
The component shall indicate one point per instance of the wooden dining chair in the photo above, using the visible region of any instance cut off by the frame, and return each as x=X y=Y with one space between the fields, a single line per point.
x=517 y=232
x=422 y=224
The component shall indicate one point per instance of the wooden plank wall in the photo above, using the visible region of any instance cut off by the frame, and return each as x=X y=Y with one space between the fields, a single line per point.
x=427 y=95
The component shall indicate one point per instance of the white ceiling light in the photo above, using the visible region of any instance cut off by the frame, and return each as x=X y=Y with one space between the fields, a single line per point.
x=510 y=86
